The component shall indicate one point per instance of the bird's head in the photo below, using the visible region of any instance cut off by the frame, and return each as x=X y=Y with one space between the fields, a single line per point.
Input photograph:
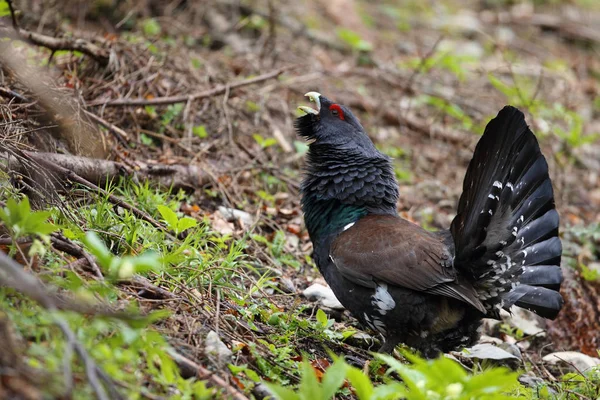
x=332 y=125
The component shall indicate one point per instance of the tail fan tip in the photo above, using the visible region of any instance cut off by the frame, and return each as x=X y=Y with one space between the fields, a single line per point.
x=506 y=228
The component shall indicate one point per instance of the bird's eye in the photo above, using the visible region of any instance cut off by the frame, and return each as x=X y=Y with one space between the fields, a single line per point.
x=337 y=111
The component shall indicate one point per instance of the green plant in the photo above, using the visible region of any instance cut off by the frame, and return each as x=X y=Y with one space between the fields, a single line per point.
x=441 y=378
x=21 y=221
x=354 y=40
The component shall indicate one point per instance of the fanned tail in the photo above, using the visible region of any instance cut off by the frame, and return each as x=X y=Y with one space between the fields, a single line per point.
x=506 y=229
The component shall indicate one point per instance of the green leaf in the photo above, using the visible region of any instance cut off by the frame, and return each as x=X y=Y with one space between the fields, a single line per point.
x=98 y=249
x=334 y=378
x=321 y=318
x=361 y=383
x=186 y=223
x=354 y=40
x=200 y=131
x=4 y=9
x=151 y=27
x=309 y=386
x=169 y=216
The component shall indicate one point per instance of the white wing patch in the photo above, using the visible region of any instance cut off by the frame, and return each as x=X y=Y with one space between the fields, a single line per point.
x=382 y=299
x=350 y=225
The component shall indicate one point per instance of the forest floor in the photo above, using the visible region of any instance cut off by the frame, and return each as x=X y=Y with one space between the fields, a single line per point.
x=193 y=259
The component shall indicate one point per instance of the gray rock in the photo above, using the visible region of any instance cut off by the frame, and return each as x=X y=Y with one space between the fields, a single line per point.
x=323 y=295
x=534 y=382
x=512 y=349
x=577 y=361
x=261 y=391
x=287 y=285
x=214 y=347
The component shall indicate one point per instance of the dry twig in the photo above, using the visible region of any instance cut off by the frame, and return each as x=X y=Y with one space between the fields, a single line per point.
x=200 y=372
x=190 y=97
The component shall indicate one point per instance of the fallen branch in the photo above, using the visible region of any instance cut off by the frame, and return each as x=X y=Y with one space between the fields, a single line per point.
x=101 y=172
x=68 y=246
x=55 y=44
x=68 y=174
x=13 y=275
x=70 y=44
x=221 y=89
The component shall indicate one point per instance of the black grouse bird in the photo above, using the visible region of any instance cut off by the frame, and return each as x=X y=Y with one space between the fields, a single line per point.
x=430 y=290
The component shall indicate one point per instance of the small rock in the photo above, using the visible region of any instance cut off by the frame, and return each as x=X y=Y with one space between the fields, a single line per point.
x=287 y=285
x=579 y=361
x=526 y=321
x=213 y=346
x=531 y=381
x=323 y=295
x=261 y=391
x=231 y=214
x=512 y=349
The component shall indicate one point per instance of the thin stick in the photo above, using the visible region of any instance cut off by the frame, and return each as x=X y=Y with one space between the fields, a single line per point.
x=203 y=373
x=190 y=97
x=119 y=133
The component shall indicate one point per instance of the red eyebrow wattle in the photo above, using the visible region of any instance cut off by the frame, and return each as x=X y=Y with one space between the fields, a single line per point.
x=338 y=109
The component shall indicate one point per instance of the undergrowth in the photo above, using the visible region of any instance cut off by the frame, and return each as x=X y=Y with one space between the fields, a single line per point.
x=190 y=256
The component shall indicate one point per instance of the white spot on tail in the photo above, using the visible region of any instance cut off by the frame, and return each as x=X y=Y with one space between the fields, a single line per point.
x=498 y=184
x=510 y=186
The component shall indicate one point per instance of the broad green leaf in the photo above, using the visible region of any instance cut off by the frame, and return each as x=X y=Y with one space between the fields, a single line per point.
x=186 y=223
x=321 y=318
x=334 y=378
x=98 y=249
x=361 y=383
x=169 y=216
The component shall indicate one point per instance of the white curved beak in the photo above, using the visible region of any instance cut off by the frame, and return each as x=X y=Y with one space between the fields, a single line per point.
x=314 y=97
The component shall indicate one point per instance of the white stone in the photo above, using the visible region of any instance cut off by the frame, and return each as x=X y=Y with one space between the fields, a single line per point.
x=526 y=321
x=579 y=361
x=213 y=346
x=231 y=214
x=323 y=295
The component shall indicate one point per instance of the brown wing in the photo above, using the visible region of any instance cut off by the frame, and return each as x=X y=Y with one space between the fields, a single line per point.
x=385 y=248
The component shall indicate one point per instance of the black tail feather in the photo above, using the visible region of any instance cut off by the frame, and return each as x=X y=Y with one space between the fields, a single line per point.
x=548 y=276
x=542 y=301
x=506 y=229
